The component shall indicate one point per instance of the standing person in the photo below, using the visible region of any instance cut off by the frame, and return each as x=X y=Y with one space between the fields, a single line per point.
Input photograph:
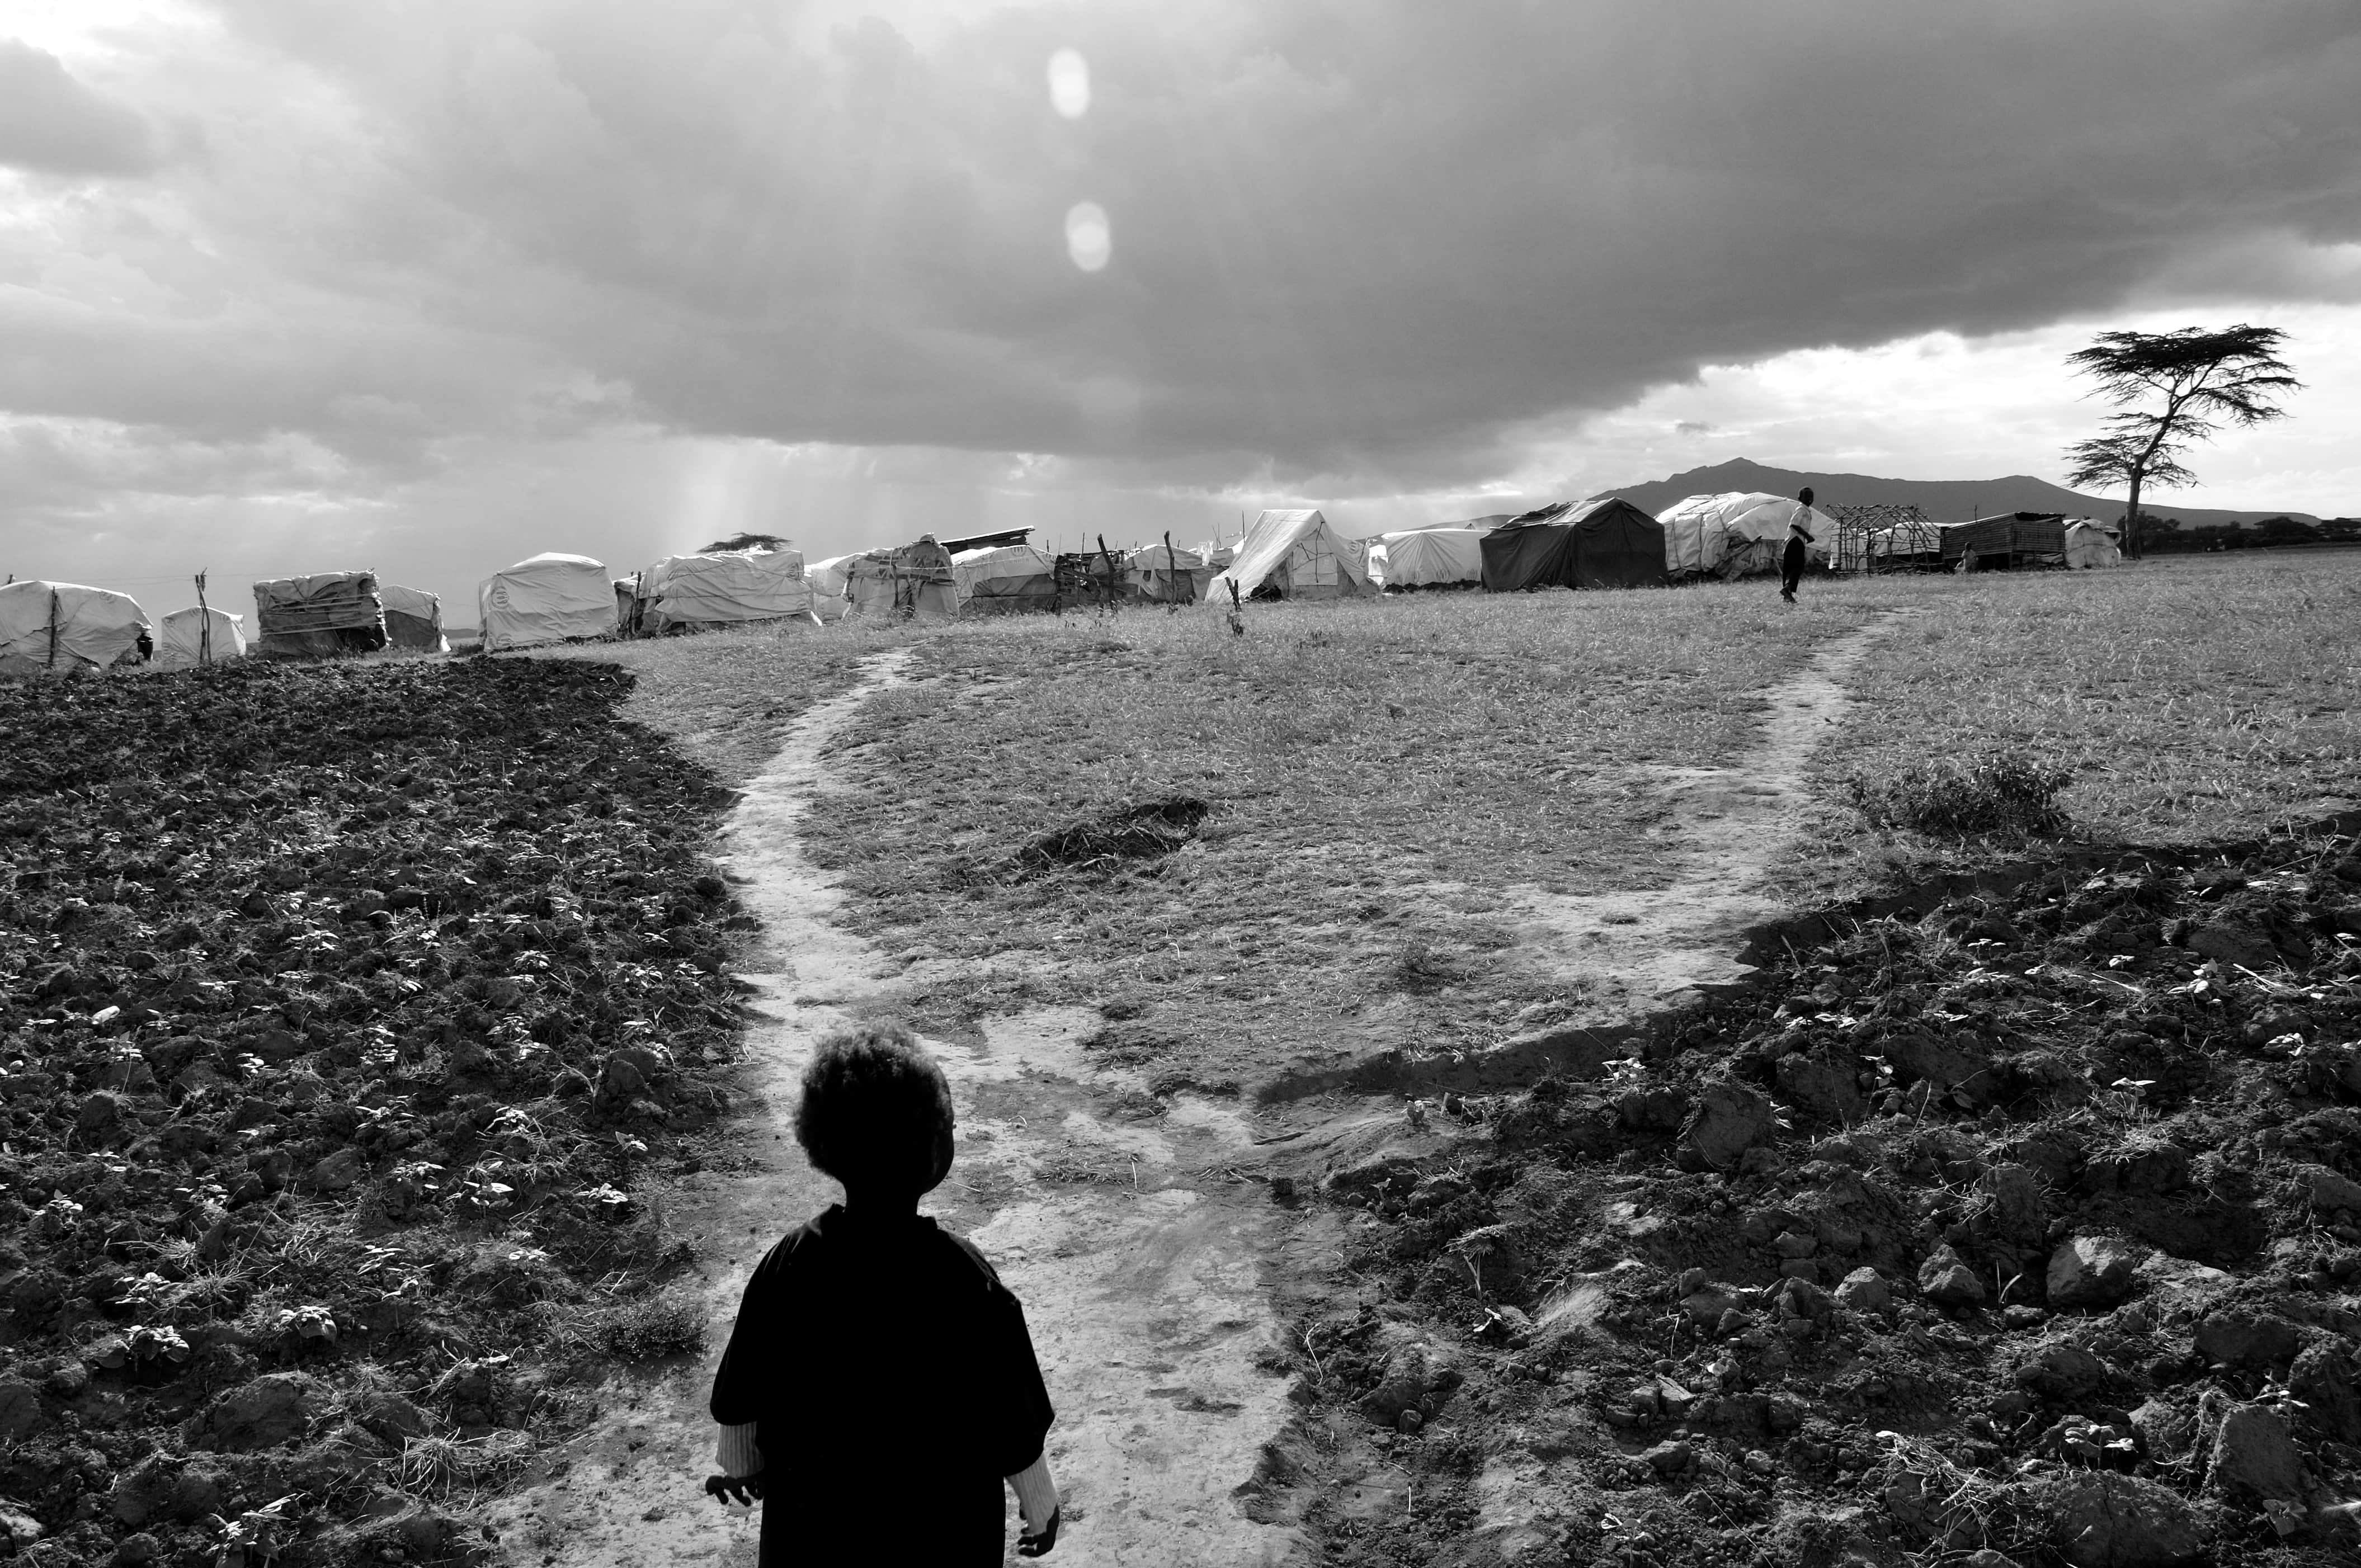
x=879 y=1385
x=1791 y=559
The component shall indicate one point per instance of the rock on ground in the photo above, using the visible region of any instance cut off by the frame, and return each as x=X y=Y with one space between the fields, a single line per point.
x=1946 y=1281
x=2103 y=1520
x=2253 y=1453
x=264 y=1413
x=1730 y=1119
x=2091 y=1271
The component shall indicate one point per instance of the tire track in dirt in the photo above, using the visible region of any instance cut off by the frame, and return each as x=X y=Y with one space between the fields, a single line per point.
x=1136 y=1247
x=1643 y=951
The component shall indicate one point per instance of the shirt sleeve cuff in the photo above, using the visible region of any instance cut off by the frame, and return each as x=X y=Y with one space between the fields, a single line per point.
x=736 y=1452
x=1037 y=1494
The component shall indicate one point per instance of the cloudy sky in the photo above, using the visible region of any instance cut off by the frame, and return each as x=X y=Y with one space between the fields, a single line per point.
x=290 y=286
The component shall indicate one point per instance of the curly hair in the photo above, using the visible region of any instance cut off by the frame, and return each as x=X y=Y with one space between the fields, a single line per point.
x=877 y=1111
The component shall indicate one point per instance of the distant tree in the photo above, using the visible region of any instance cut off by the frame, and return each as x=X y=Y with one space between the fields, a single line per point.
x=2203 y=378
x=746 y=542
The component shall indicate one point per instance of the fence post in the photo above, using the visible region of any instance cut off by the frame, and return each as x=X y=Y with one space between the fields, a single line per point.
x=53 y=629
x=1112 y=586
x=204 y=625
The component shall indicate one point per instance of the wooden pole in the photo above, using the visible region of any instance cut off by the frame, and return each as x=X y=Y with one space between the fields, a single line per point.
x=53 y=629
x=1109 y=557
x=204 y=625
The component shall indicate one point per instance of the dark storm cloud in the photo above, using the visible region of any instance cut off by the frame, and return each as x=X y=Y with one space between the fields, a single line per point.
x=51 y=124
x=1352 y=239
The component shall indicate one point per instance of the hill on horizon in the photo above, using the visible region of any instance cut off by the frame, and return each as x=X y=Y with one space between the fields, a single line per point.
x=1943 y=500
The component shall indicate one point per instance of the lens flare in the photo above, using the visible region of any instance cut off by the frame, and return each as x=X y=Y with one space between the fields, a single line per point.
x=1088 y=240
x=1069 y=83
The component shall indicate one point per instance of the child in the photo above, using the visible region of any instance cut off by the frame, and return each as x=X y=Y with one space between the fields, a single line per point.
x=879 y=1383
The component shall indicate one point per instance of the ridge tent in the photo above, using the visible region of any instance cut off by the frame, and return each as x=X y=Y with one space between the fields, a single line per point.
x=2087 y=545
x=723 y=587
x=320 y=614
x=829 y=587
x=1004 y=580
x=1294 y=555
x=64 y=626
x=1740 y=532
x=178 y=643
x=548 y=598
x=1433 y=557
x=1602 y=543
x=413 y=618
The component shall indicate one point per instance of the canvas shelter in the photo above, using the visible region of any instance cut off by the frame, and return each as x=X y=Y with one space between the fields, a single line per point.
x=1740 y=532
x=64 y=626
x=2087 y=545
x=1006 y=579
x=1433 y=557
x=180 y=639
x=1295 y=555
x=722 y=588
x=413 y=618
x=1163 y=575
x=829 y=587
x=1602 y=543
x=319 y=614
x=543 y=598
x=912 y=582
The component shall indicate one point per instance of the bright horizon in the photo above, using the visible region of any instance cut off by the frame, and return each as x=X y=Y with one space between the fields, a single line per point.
x=290 y=289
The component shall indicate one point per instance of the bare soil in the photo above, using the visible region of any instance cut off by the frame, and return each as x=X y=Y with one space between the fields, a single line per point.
x=344 y=1014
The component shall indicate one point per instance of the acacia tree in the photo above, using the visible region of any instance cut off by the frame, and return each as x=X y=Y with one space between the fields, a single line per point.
x=2205 y=380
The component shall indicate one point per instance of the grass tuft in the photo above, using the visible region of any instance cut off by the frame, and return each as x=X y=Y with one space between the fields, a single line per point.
x=1962 y=799
x=652 y=1330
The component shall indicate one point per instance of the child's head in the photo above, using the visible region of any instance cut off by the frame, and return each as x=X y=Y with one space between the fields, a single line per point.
x=876 y=1113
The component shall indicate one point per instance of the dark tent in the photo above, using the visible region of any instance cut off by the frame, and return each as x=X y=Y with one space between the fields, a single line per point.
x=1605 y=543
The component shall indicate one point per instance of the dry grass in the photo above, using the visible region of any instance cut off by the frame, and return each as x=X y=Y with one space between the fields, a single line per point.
x=728 y=698
x=1378 y=775
x=1382 y=776
x=2192 y=699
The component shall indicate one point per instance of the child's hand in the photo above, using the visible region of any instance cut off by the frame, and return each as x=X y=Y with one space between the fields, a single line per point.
x=747 y=1490
x=1039 y=1545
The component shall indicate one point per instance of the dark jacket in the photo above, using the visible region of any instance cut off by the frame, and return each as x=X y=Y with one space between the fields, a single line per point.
x=894 y=1385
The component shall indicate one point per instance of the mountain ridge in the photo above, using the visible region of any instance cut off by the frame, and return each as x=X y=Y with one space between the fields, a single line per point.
x=1943 y=500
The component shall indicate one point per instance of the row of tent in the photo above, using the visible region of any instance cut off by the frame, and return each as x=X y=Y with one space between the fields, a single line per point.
x=556 y=597
x=47 y=626
x=1606 y=541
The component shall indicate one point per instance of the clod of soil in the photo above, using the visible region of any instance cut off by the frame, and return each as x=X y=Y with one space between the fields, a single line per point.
x=1147 y=831
x=341 y=1010
x=2027 y=1228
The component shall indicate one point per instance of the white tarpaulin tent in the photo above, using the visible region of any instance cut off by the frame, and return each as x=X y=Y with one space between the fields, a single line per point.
x=831 y=586
x=413 y=618
x=1416 y=557
x=723 y=587
x=178 y=640
x=1740 y=532
x=1167 y=577
x=547 y=599
x=1004 y=580
x=1297 y=555
x=63 y=626
x=2089 y=545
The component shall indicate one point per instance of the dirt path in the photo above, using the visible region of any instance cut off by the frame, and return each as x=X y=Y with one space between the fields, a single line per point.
x=1640 y=952
x=1136 y=1247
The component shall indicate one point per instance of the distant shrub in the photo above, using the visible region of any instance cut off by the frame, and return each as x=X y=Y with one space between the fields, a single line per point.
x=652 y=1330
x=1959 y=799
x=1420 y=970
